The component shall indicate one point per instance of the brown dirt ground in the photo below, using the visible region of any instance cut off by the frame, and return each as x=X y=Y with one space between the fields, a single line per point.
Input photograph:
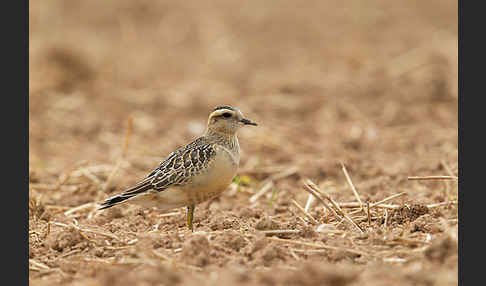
x=372 y=85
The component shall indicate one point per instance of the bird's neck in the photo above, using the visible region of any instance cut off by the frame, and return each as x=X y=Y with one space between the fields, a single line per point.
x=228 y=140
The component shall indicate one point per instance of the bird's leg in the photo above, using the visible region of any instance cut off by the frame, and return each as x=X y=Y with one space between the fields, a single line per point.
x=190 y=216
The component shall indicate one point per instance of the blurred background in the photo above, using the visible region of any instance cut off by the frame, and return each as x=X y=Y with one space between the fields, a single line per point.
x=117 y=85
x=373 y=84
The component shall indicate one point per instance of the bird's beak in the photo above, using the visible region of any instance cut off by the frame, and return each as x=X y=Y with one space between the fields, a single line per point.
x=248 y=122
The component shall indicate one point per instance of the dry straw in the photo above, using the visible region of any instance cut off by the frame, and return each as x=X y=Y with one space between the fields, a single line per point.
x=423 y=178
x=122 y=156
x=335 y=209
x=353 y=188
x=304 y=212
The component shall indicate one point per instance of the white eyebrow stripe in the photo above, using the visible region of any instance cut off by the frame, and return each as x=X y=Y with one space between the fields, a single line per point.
x=221 y=111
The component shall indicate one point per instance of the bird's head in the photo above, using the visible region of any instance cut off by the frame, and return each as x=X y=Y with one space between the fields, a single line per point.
x=227 y=120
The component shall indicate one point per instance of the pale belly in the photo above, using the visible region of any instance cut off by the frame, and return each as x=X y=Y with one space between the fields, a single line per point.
x=203 y=187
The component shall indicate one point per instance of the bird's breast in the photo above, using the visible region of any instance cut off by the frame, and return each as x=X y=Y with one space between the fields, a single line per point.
x=217 y=178
x=220 y=172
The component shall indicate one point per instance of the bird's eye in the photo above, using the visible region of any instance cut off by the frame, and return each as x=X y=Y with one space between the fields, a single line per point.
x=226 y=114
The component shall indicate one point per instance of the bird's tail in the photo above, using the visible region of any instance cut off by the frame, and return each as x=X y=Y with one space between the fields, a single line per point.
x=128 y=194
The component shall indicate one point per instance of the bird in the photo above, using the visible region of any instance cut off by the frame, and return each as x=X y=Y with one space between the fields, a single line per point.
x=194 y=173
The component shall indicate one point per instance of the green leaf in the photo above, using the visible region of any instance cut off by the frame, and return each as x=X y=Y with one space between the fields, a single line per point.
x=274 y=194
